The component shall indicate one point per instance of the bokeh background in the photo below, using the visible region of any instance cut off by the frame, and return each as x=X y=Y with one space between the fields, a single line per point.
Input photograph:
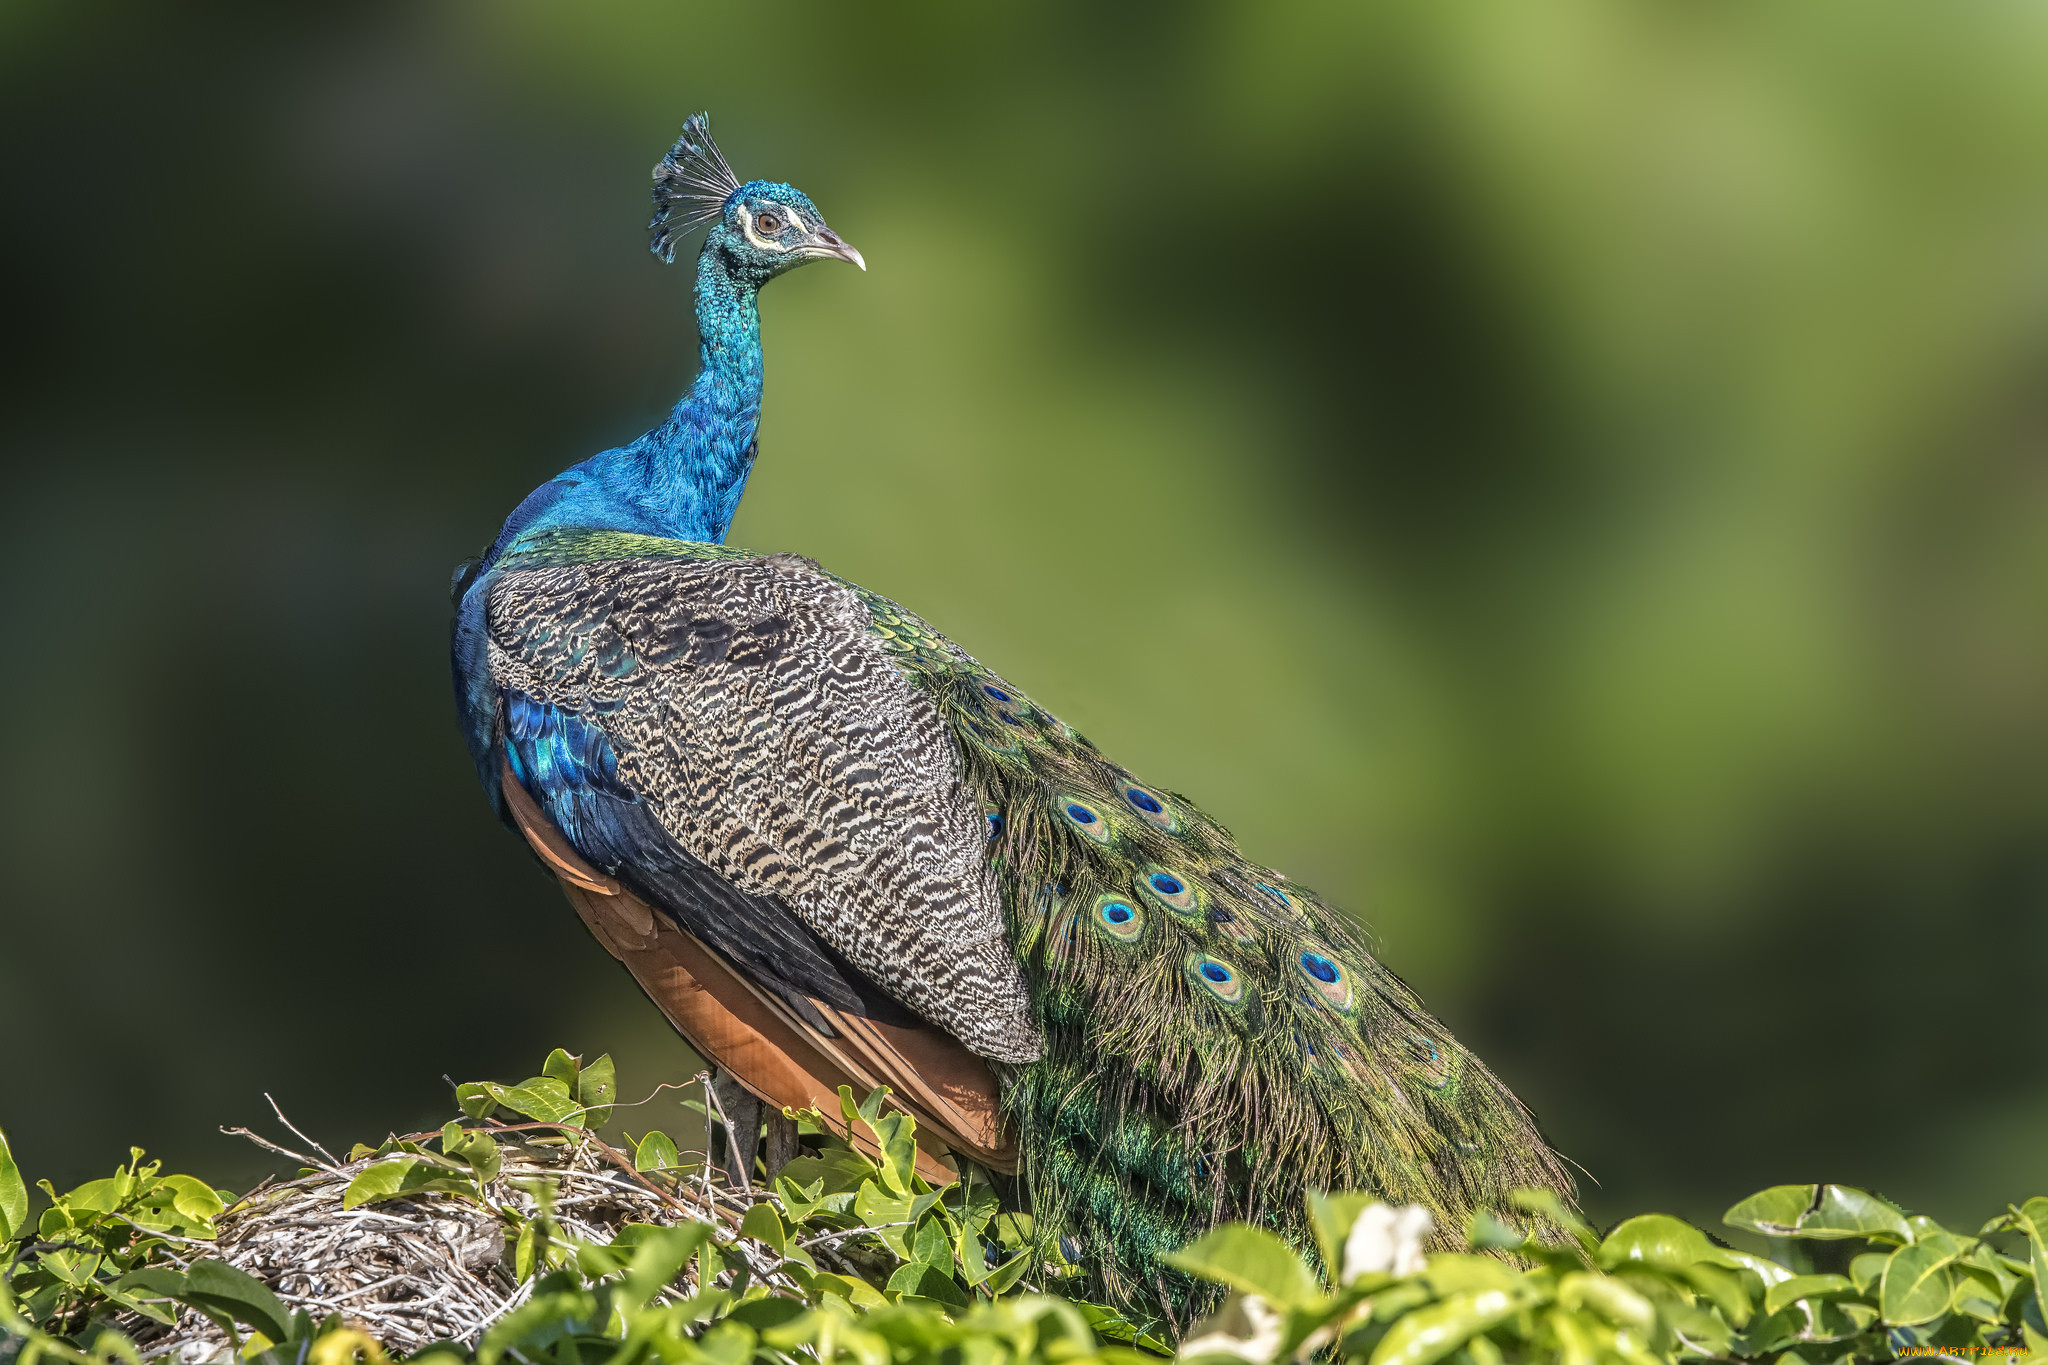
x=1567 y=481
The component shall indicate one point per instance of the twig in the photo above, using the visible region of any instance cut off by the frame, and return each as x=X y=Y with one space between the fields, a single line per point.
x=331 y=1162
x=262 y=1141
x=732 y=1136
x=831 y=1237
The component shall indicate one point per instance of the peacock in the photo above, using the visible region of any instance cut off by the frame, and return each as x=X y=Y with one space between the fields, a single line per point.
x=836 y=850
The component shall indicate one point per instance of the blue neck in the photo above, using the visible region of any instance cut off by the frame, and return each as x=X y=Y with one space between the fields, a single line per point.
x=687 y=474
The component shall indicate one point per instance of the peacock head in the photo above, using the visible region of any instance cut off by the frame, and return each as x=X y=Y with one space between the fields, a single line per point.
x=762 y=227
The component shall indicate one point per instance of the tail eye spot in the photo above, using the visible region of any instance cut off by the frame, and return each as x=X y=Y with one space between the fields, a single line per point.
x=1218 y=979
x=1087 y=820
x=1119 y=918
x=1165 y=883
x=995 y=692
x=1319 y=967
x=1143 y=800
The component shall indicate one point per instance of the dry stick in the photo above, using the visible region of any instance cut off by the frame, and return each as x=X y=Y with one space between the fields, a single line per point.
x=709 y=1136
x=618 y=1158
x=331 y=1162
x=262 y=1141
x=830 y=1237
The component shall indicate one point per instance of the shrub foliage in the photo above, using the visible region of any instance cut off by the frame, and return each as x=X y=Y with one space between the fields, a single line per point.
x=844 y=1256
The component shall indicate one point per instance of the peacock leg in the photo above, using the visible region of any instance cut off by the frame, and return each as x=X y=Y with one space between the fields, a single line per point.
x=782 y=1148
x=742 y=1127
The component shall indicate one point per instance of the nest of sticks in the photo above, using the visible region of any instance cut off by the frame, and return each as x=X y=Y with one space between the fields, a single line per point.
x=433 y=1267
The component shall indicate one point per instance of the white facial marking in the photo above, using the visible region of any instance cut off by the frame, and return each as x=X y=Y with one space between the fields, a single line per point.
x=755 y=238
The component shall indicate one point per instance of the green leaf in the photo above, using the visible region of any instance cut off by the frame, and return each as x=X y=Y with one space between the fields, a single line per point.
x=13 y=1195
x=1978 y=1294
x=524 y=1248
x=840 y=1171
x=1916 y=1285
x=196 y=1202
x=1866 y=1270
x=1922 y=1229
x=1608 y=1297
x=968 y=1246
x=800 y=1202
x=216 y=1284
x=1846 y=1212
x=474 y=1148
x=596 y=1088
x=927 y=1282
x=1429 y=1334
x=155 y=1281
x=1723 y=1288
x=764 y=1315
x=1819 y=1211
x=1456 y=1273
x=1548 y=1205
x=660 y=1257
x=137 y=1288
x=893 y=1132
x=543 y=1098
x=1700 y=1332
x=75 y=1268
x=1770 y=1333
x=932 y=1246
x=1775 y=1212
x=475 y=1100
x=1654 y=1239
x=764 y=1225
x=1008 y=1273
x=1486 y=1232
x=656 y=1152
x=403 y=1175
x=867 y=1111
x=2033 y=1220
x=562 y=1066
x=1837 y=1320
x=1786 y=1292
x=1252 y=1260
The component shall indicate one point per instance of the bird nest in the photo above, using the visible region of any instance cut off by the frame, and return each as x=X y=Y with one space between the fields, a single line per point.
x=436 y=1267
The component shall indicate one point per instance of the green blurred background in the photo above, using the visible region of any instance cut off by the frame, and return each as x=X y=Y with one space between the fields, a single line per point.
x=1567 y=481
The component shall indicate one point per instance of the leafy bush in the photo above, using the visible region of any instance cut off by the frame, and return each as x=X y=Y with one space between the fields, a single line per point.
x=846 y=1257
x=1654 y=1289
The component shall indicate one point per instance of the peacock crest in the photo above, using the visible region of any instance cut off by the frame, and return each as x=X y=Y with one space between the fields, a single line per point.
x=692 y=186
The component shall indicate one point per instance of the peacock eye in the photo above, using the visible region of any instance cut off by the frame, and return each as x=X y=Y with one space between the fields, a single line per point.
x=769 y=222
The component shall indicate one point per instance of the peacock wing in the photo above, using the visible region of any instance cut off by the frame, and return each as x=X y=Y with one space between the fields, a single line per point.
x=725 y=735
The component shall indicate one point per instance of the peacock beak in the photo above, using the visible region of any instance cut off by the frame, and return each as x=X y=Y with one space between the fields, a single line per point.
x=826 y=242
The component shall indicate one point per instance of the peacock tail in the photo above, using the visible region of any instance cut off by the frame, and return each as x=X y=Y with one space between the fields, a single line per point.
x=1216 y=1040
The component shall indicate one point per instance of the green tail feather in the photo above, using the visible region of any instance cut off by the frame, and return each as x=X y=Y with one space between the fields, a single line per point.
x=1218 y=1040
